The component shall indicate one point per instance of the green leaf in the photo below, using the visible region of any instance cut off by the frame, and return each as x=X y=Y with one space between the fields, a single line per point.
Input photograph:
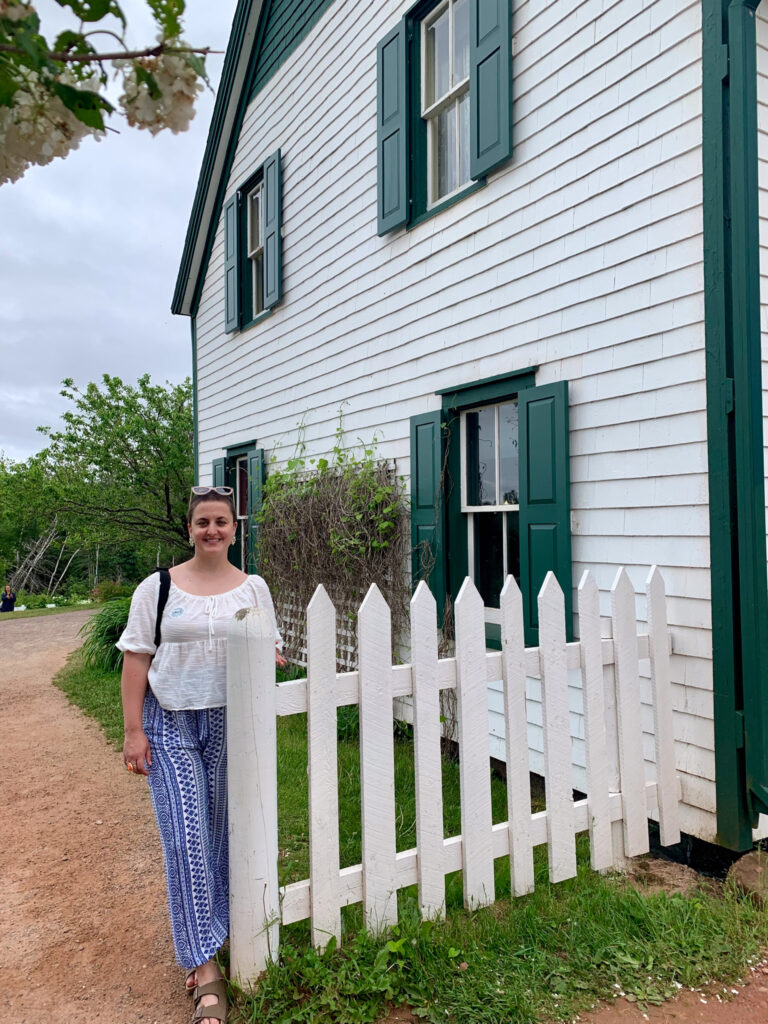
x=8 y=89
x=93 y=10
x=142 y=75
x=87 y=106
x=74 y=42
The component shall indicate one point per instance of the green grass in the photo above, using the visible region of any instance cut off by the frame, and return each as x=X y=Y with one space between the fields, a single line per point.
x=95 y=692
x=33 y=613
x=542 y=957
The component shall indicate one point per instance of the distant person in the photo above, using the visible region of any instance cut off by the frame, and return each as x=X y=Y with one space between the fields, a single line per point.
x=174 y=710
x=8 y=599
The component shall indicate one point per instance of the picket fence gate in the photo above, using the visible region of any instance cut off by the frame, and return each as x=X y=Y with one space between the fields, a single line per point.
x=615 y=811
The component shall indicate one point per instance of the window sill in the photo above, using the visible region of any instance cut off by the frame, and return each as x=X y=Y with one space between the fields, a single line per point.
x=419 y=218
x=257 y=319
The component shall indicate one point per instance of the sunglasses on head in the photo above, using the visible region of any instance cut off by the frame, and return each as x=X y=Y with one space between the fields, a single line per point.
x=202 y=489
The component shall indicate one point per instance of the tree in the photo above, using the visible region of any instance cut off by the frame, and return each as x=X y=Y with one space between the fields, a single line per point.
x=52 y=96
x=123 y=461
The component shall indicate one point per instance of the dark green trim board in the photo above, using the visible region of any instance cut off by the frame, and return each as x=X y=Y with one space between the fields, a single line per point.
x=734 y=417
x=195 y=443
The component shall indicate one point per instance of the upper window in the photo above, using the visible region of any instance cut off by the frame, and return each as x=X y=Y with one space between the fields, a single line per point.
x=444 y=109
x=253 y=246
x=445 y=98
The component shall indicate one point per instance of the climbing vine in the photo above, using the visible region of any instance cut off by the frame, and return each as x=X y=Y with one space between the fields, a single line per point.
x=341 y=521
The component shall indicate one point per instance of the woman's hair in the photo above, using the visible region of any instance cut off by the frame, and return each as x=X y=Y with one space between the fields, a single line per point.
x=197 y=499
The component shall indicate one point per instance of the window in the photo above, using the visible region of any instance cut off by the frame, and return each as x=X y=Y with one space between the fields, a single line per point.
x=253 y=246
x=490 y=487
x=444 y=112
x=243 y=469
x=445 y=98
x=490 y=492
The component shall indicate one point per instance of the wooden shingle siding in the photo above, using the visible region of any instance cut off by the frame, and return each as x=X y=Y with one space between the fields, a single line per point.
x=288 y=24
x=582 y=255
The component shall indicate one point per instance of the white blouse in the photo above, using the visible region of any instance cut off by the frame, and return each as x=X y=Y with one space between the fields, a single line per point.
x=189 y=670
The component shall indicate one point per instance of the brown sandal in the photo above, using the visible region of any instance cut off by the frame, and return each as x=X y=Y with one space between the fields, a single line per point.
x=218 y=1011
x=190 y=989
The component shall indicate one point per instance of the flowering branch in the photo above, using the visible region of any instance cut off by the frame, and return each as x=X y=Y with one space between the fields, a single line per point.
x=97 y=58
x=51 y=97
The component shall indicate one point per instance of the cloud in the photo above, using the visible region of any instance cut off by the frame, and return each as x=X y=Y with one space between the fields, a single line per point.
x=90 y=248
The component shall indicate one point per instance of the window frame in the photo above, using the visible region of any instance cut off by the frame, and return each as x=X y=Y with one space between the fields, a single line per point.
x=401 y=133
x=238 y=261
x=460 y=517
x=254 y=256
x=248 y=315
x=421 y=206
x=430 y=112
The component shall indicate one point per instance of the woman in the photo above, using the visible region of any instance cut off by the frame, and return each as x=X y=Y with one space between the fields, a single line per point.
x=8 y=599
x=174 y=699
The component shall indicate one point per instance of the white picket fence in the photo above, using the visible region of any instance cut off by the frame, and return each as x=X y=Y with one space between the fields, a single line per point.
x=615 y=812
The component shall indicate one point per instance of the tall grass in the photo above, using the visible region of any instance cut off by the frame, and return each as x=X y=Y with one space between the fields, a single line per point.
x=101 y=632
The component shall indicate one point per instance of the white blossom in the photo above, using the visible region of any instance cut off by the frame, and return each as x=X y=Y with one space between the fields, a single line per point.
x=177 y=83
x=14 y=10
x=38 y=127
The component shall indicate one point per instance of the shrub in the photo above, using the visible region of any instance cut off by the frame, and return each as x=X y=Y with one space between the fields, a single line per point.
x=32 y=600
x=109 y=590
x=102 y=632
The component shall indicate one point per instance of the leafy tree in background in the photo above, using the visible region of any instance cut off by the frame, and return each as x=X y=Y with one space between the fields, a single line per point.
x=107 y=497
x=124 y=456
x=53 y=94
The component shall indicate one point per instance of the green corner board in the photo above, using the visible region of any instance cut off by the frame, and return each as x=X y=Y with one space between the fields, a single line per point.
x=734 y=417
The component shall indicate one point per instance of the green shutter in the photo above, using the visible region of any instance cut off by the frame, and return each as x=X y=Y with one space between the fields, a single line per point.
x=231 y=292
x=490 y=85
x=392 y=129
x=219 y=473
x=273 y=222
x=256 y=468
x=427 y=505
x=545 y=506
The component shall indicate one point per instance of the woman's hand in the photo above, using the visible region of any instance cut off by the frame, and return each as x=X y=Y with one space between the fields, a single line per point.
x=280 y=660
x=136 y=752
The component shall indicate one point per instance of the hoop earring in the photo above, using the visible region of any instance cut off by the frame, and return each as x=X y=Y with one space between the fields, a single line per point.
x=191 y=542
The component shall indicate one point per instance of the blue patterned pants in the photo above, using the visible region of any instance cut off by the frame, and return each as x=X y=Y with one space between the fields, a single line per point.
x=188 y=784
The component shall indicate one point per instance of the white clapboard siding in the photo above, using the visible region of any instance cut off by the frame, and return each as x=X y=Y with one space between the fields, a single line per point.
x=581 y=256
x=607 y=808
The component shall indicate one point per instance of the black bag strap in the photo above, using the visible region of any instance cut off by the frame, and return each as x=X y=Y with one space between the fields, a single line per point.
x=162 y=600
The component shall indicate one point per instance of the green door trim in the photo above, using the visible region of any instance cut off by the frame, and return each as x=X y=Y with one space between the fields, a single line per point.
x=734 y=416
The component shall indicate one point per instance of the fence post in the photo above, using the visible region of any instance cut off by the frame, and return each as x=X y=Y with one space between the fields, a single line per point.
x=254 y=903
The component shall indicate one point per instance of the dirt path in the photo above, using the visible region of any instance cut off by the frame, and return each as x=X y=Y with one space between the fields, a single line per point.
x=83 y=923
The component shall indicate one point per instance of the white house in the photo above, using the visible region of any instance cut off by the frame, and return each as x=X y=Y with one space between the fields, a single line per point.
x=519 y=241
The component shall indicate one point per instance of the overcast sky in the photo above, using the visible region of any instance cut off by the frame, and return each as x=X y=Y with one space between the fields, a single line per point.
x=89 y=250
